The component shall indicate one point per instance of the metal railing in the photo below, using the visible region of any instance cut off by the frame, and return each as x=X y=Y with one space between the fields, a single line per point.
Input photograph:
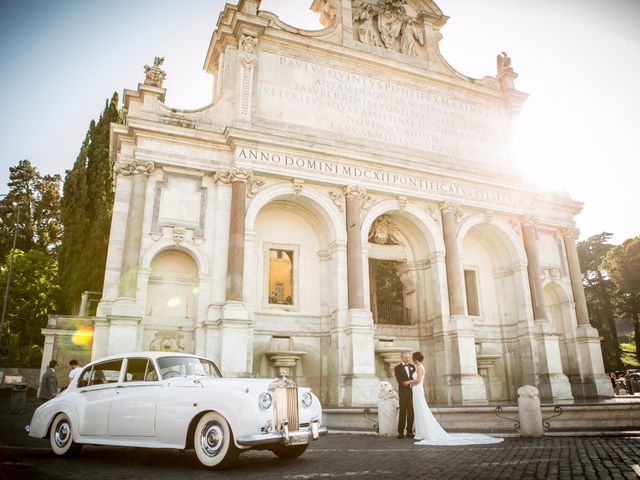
x=390 y=314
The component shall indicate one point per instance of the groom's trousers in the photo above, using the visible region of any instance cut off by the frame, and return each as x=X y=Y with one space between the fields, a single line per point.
x=406 y=410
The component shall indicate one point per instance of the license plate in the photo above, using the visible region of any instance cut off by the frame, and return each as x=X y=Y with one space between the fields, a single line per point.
x=298 y=440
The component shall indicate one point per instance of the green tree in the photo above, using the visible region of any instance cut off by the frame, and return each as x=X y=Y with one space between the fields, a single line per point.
x=600 y=292
x=37 y=198
x=73 y=215
x=32 y=295
x=86 y=211
x=623 y=266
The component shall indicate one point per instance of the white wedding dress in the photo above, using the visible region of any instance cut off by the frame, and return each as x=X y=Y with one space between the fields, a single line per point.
x=429 y=431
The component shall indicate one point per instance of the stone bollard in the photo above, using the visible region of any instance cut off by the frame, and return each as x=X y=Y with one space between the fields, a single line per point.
x=529 y=412
x=387 y=410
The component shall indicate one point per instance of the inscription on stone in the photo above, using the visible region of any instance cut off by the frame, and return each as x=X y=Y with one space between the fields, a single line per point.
x=316 y=96
x=341 y=173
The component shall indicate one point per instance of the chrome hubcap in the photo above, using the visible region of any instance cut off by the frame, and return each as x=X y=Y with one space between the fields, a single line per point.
x=63 y=434
x=211 y=439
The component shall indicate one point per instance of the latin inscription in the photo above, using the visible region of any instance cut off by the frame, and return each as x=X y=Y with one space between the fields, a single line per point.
x=415 y=183
x=313 y=95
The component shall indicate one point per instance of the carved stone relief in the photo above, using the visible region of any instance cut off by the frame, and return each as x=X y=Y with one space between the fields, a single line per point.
x=385 y=23
x=384 y=231
x=167 y=341
x=134 y=167
x=337 y=199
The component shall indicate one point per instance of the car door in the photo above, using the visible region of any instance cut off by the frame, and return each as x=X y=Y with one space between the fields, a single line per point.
x=133 y=408
x=97 y=387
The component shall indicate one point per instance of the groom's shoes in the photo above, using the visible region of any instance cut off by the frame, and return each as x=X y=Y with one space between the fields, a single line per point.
x=400 y=436
x=410 y=435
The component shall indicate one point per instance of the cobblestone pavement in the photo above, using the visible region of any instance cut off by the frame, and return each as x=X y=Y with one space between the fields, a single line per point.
x=334 y=456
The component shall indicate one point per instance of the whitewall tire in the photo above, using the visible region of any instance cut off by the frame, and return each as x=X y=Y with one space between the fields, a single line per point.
x=61 y=437
x=213 y=442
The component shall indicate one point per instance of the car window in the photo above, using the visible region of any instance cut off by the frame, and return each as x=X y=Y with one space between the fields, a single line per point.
x=140 y=370
x=105 y=372
x=182 y=366
x=83 y=378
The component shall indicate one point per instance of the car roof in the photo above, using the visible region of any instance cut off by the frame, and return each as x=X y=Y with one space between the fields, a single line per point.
x=148 y=354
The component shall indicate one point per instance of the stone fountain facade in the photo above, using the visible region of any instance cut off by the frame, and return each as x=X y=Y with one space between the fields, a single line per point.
x=248 y=230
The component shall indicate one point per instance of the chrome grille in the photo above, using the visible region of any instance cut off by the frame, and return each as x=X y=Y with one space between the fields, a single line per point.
x=287 y=407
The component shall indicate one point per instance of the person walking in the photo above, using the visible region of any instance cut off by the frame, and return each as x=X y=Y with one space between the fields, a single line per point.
x=49 y=383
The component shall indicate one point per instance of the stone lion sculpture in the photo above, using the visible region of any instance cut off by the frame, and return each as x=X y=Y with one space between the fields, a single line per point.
x=387 y=392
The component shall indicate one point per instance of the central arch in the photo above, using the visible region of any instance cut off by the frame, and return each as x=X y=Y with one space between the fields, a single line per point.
x=493 y=261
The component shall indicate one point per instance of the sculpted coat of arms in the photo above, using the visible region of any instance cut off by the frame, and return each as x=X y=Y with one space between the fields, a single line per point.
x=384 y=22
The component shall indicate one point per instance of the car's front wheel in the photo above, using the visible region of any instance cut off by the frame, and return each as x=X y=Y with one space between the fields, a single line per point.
x=293 y=451
x=61 y=437
x=213 y=442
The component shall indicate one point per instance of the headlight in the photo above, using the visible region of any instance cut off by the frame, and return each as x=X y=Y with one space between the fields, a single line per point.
x=307 y=399
x=265 y=400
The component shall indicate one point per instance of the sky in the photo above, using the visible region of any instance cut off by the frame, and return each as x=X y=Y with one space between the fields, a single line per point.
x=579 y=60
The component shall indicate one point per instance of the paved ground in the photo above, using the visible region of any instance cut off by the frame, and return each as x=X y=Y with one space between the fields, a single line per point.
x=334 y=456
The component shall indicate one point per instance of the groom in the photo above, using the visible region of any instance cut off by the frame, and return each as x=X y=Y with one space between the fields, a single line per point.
x=404 y=372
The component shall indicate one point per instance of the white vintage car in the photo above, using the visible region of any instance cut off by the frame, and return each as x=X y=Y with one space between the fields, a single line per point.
x=176 y=400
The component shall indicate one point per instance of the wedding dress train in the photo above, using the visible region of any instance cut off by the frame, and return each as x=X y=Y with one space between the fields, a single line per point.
x=429 y=431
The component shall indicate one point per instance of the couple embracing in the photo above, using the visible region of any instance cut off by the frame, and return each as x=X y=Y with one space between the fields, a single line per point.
x=414 y=408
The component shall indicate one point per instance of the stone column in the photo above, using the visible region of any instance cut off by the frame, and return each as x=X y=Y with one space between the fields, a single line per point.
x=552 y=382
x=235 y=262
x=455 y=282
x=570 y=236
x=466 y=386
x=139 y=171
x=593 y=380
x=354 y=198
x=533 y=268
x=358 y=383
x=234 y=330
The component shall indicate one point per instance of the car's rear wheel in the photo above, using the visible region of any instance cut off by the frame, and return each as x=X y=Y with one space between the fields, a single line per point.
x=213 y=442
x=61 y=437
x=293 y=451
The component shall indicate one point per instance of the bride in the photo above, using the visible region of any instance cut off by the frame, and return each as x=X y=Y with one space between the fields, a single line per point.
x=428 y=430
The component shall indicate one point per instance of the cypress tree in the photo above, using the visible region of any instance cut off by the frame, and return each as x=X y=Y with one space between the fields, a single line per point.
x=100 y=186
x=86 y=212
x=73 y=215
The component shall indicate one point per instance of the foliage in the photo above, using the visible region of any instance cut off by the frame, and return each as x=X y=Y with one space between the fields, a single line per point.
x=32 y=207
x=86 y=211
x=623 y=266
x=33 y=292
x=600 y=292
x=629 y=354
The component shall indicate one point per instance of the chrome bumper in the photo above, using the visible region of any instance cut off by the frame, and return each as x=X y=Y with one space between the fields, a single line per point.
x=299 y=437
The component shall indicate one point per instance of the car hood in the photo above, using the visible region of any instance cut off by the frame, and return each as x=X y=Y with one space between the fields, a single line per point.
x=253 y=385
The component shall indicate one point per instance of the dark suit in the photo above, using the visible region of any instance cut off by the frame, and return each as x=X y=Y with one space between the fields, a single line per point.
x=48 y=385
x=406 y=399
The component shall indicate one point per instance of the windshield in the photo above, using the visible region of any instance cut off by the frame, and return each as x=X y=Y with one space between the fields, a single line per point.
x=183 y=366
